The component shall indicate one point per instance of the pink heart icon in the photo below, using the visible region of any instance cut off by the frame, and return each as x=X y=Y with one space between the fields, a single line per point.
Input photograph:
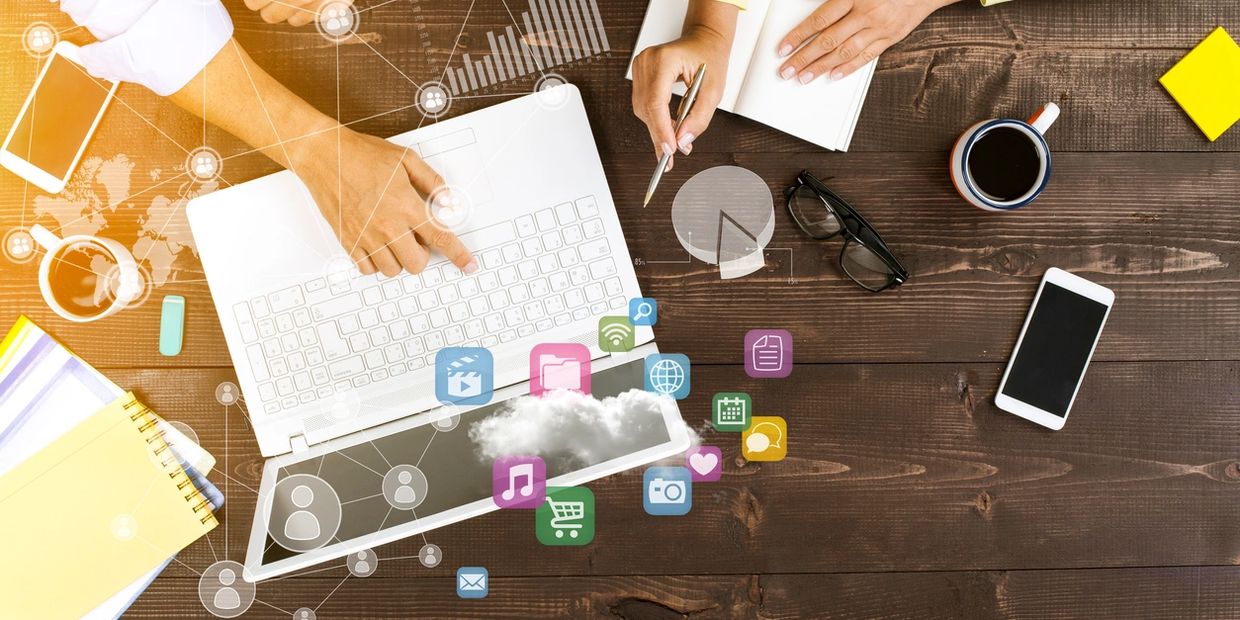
x=704 y=464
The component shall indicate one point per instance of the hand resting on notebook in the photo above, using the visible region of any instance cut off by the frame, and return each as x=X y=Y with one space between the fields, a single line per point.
x=842 y=36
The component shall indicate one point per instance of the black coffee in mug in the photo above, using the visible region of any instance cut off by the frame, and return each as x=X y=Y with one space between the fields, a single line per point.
x=1005 y=164
x=83 y=279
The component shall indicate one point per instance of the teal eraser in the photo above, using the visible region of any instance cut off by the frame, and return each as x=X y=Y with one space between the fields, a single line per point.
x=172 y=325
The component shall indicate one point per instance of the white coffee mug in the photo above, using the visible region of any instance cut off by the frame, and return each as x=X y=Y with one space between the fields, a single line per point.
x=1033 y=129
x=128 y=283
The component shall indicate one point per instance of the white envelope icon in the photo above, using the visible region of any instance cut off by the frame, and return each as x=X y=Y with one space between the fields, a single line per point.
x=559 y=373
x=471 y=582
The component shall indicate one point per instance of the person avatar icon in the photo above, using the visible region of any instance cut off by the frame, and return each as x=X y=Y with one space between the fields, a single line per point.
x=305 y=613
x=430 y=556
x=404 y=493
x=226 y=394
x=302 y=524
x=227 y=598
x=362 y=565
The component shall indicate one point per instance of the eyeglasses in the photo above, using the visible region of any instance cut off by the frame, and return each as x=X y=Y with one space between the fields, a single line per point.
x=821 y=214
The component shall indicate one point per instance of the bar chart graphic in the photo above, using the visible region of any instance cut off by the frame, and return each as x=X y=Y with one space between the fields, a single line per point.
x=562 y=31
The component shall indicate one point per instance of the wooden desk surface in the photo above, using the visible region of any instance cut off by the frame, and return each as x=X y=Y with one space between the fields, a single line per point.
x=906 y=493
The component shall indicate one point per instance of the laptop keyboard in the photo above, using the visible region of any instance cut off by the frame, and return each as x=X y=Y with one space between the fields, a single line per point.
x=335 y=333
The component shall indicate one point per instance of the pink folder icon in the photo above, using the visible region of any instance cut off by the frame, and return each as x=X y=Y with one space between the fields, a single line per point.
x=559 y=366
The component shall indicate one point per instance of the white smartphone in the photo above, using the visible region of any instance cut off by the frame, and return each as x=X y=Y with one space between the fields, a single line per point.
x=1054 y=348
x=56 y=122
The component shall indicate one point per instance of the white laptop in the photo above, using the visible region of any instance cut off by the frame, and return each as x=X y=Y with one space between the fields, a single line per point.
x=337 y=369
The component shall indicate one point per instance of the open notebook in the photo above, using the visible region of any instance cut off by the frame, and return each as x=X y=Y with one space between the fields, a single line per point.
x=822 y=112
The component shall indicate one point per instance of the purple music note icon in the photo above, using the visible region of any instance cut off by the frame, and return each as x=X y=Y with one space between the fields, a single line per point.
x=519 y=482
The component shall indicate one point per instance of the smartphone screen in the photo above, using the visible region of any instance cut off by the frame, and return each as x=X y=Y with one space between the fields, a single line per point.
x=59 y=118
x=1055 y=349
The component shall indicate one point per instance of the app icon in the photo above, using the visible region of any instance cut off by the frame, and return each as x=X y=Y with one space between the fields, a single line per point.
x=615 y=334
x=464 y=375
x=519 y=481
x=559 y=366
x=668 y=374
x=472 y=582
x=768 y=353
x=566 y=518
x=643 y=311
x=668 y=491
x=705 y=463
x=766 y=439
x=730 y=412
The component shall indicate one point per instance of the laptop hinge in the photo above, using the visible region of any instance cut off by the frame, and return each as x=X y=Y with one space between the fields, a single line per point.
x=298 y=443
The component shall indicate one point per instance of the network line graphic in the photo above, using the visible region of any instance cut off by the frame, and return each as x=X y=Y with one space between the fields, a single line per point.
x=548 y=34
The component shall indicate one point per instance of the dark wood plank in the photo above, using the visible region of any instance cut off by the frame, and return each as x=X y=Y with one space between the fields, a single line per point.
x=1153 y=593
x=891 y=467
x=1155 y=227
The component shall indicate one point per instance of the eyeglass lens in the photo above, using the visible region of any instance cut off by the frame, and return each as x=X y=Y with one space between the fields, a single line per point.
x=809 y=209
x=864 y=266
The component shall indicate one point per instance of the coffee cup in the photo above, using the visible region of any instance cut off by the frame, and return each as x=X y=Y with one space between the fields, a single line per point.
x=1004 y=164
x=85 y=278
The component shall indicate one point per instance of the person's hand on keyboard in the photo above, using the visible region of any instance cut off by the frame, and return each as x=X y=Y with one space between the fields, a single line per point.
x=842 y=36
x=707 y=38
x=373 y=197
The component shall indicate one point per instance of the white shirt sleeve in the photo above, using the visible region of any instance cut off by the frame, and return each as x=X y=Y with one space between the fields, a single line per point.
x=161 y=44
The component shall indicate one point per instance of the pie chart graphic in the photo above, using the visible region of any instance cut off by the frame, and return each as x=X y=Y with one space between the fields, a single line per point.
x=725 y=216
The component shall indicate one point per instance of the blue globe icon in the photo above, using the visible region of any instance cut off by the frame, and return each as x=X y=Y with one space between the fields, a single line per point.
x=668 y=375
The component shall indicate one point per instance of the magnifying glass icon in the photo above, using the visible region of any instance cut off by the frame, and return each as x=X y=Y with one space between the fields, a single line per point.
x=644 y=310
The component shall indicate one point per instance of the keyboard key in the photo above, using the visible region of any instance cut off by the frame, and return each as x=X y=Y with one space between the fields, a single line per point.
x=467 y=288
x=349 y=324
x=434 y=341
x=492 y=259
x=278 y=367
x=580 y=314
x=315 y=285
x=613 y=286
x=525 y=226
x=324 y=391
x=416 y=364
x=397 y=370
x=507 y=336
x=489 y=341
x=266 y=328
x=451 y=273
x=507 y=276
x=592 y=250
x=305 y=397
x=271 y=407
x=284 y=386
x=359 y=342
x=439 y=317
x=579 y=275
x=248 y=333
x=341 y=386
x=345 y=304
x=339 y=288
x=545 y=219
x=361 y=381
x=271 y=348
x=297 y=361
x=448 y=294
x=399 y=329
x=488 y=282
x=413 y=347
x=617 y=303
x=372 y=295
x=301 y=317
x=411 y=283
x=407 y=306
x=314 y=357
x=334 y=347
x=555 y=305
x=539 y=288
x=478 y=306
x=528 y=270
x=284 y=300
x=551 y=241
x=512 y=253
x=379 y=336
x=428 y=299
x=519 y=294
x=258 y=366
x=458 y=311
x=302 y=380
x=562 y=319
x=593 y=228
x=432 y=277
x=454 y=334
x=525 y=330
x=493 y=322
x=267 y=391
x=567 y=256
x=288 y=342
x=601 y=269
x=547 y=263
x=564 y=213
x=574 y=298
x=543 y=325
x=379 y=375
x=388 y=313
x=586 y=207
x=368 y=318
x=534 y=310
x=394 y=353
x=374 y=359
x=284 y=323
x=513 y=317
x=288 y=402
x=391 y=288
x=419 y=324
x=498 y=299
x=594 y=291
x=260 y=307
x=559 y=281
x=531 y=247
x=572 y=234
x=598 y=308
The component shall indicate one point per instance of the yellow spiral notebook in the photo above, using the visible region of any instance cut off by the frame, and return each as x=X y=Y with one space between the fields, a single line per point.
x=93 y=511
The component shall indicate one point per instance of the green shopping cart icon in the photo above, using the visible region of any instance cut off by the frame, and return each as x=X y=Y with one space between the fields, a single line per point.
x=566 y=518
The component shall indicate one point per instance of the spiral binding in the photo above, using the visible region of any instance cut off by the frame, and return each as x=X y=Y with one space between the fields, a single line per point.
x=159 y=445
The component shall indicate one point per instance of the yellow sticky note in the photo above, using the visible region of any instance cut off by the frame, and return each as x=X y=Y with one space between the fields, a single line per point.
x=1206 y=83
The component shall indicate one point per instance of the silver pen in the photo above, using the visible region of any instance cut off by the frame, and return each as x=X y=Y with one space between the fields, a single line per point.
x=685 y=105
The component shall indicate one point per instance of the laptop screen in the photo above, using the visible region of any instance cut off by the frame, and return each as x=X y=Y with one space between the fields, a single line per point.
x=456 y=473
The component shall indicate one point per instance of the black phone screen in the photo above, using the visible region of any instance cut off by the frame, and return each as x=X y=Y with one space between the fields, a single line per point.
x=59 y=117
x=1056 y=347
